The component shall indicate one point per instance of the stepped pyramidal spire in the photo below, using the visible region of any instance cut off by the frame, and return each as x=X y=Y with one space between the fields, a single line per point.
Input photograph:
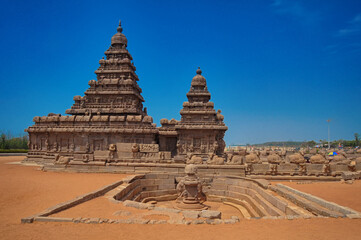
x=116 y=90
x=201 y=129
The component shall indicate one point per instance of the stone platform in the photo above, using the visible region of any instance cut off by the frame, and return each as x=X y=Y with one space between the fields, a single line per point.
x=253 y=199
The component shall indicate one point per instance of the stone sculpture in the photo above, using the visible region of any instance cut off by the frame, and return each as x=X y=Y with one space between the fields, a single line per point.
x=215 y=160
x=318 y=159
x=235 y=159
x=189 y=188
x=194 y=159
x=296 y=158
x=252 y=158
x=274 y=158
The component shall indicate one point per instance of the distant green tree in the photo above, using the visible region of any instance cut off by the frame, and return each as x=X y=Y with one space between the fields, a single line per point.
x=2 y=141
x=9 y=142
x=311 y=143
x=357 y=136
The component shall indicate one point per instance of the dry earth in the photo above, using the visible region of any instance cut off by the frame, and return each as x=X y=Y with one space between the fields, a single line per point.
x=25 y=191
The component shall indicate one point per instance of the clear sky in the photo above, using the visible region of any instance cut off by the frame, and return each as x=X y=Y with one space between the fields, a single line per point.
x=277 y=69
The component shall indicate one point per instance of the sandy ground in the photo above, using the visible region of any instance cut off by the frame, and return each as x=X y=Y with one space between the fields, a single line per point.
x=101 y=207
x=25 y=191
x=341 y=193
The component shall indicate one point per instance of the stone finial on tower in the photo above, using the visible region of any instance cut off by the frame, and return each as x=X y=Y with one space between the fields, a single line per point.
x=119 y=38
x=120 y=29
x=198 y=80
x=199 y=71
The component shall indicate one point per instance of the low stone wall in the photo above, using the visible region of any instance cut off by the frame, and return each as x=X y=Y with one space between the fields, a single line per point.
x=131 y=168
x=146 y=187
x=330 y=205
x=68 y=204
x=286 y=171
x=314 y=204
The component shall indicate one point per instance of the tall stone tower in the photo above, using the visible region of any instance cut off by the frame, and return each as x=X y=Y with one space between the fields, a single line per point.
x=106 y=124
x=201 y=129
x=116 y=90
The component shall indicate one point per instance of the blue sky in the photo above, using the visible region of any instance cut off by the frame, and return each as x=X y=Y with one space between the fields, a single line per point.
x=277 y=69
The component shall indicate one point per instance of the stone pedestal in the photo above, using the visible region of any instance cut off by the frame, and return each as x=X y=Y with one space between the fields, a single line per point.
x=190 y=194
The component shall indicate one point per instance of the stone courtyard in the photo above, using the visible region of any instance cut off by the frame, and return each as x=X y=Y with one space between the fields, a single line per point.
x=30 y=190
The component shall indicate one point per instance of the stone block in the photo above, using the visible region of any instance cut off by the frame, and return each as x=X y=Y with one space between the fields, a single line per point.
x=163 y=181
x=218 y=221
x=235 y=195
x=286 y=168
x=260 y=168
x=229 y=221
x=139 y=221
x=350 y=175
x=151 y=188
x=354 y=216
x=103 y=220
x=126 y=221
x=27 y=220
x=137 y=205
x=142 y=169
x=198 y=221
x=191 y=214
x=219 y=181
x=210 y=214
x=77 y=220
x=262 y=182
x=94 y=220
x=52 y=219
x=124 y=147
x=166 y=186
x=219 y=187
x=245 y=183
x=217 y=192
x=237 y=189
x=210 y=221
x=314 y=168
x=339 y=168
x=236 y=218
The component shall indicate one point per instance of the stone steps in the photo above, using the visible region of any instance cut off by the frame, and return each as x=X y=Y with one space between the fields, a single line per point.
x=240 y=208
x=241 y=202
x=311 y=206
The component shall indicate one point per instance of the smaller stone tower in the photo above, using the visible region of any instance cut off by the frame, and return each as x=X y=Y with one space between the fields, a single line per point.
x=201 y=129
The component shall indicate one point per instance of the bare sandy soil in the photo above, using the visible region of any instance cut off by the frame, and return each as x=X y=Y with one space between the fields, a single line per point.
x=25 y=191
x=341 y=193
x=101 y=207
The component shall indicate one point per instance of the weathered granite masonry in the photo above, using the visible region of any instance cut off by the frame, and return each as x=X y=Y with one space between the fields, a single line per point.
x=110 y=124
